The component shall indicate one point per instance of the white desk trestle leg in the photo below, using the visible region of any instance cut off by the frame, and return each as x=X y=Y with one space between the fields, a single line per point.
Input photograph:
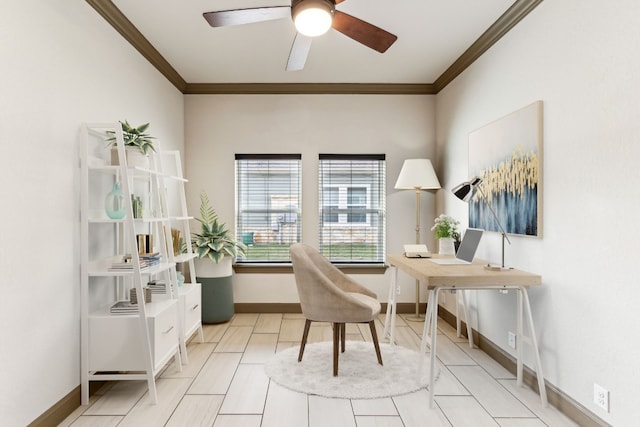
x=433 y=326
x=430 y=331
x=390 y=318
x=461 y=294
x=428 y=320
x=524 y=305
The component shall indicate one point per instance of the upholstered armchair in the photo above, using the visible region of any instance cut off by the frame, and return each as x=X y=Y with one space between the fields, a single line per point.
x=328 y=295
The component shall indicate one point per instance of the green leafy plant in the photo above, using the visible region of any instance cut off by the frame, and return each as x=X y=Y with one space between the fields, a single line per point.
x=214 y=241
x=133 y=137
x=446 y=226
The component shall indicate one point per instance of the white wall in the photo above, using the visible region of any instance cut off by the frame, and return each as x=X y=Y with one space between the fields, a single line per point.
x=581 y=58
x=61 y=65
x=217 y=127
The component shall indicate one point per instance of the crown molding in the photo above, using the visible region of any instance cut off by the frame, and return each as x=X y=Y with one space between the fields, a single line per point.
x=121 y=23
x=308 y=88
x=502 y=26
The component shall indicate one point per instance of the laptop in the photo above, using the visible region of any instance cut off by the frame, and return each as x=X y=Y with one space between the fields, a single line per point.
x=467 y=249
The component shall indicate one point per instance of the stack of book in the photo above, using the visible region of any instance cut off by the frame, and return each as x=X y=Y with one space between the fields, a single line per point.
x=150 y=259
x=124 y=307
x=126 y=265
x=126 y=262
x=157 y=287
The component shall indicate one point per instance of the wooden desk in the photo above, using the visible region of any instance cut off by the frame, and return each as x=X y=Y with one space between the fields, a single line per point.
x=437 y=277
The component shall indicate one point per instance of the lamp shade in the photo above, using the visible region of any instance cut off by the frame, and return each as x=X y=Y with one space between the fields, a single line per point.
x=465 y=190
x=417 y=174
x=312 y=17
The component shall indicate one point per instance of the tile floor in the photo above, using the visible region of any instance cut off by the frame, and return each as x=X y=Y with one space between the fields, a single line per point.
x=224 y=385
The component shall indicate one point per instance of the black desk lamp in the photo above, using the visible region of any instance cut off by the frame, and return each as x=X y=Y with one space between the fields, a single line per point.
x=464 y=192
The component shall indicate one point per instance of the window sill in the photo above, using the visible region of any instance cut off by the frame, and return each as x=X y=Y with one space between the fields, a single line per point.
x=286 y=268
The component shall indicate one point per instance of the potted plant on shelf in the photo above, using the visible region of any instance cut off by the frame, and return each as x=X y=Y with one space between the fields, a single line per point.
x=447 y=233
x=137 y=143
x=215 y=248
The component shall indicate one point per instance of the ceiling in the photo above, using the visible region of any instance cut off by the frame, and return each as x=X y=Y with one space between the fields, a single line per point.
x=437 y=39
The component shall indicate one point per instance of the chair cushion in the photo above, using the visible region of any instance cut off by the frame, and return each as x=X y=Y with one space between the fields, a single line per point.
x=372 y=303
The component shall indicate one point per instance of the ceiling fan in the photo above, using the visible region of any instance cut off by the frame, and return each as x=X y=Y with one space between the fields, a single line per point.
x=311 y=18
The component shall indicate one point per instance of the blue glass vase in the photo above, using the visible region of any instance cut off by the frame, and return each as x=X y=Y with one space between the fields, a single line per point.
x=114 y=203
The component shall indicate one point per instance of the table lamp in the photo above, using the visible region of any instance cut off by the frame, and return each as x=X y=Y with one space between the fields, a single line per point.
x=417 y=174
x=464 y=192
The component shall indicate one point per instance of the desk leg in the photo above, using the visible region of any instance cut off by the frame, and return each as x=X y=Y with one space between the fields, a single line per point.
x=433 y=296
x=458 y=321
x=519 y=337
x=427 y=323
x=390 y=318
x=465 y=310
x=524 y=305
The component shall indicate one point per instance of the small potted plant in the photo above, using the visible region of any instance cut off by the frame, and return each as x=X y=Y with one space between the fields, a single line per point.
x=137 y=142
x=446 y=229
x=215 y=248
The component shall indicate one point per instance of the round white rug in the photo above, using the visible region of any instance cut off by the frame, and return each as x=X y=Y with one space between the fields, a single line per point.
x=359 y=374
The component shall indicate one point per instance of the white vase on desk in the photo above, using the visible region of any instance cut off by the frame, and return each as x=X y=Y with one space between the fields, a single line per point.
x=445 y=246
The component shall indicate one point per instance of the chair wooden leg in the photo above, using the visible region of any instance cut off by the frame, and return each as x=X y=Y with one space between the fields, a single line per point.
x=343 y=335
x=305 y=334
x=336 y=338
x=374 y=336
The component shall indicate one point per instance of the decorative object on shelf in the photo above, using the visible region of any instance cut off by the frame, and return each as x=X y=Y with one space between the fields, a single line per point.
x=136 y=205
x=133 y=296
x=215 y=248
x=465 y=192
x=138 y=144
x=145 y=243
x=114 y=203
x=447 y=233
x=180 y=278
x=176 y=240
x=417 y=174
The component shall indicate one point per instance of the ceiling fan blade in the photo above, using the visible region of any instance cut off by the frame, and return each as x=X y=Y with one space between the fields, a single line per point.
x=225 y=18
x=363 y=32
x=299 y=52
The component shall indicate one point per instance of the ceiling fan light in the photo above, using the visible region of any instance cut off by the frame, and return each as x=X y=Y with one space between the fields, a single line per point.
x=313 y=17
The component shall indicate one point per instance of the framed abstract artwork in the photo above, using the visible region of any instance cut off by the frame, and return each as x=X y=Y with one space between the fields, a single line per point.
x=507 y=155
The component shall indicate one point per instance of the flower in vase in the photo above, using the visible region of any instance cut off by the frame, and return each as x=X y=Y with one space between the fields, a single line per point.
x=446 y=226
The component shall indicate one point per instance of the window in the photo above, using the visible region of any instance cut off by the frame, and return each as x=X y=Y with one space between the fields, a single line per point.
x=268 y=214
x=357 y=205
x=352 y=207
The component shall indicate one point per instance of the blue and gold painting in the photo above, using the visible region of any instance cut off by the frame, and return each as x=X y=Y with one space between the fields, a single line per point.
x=507 y=155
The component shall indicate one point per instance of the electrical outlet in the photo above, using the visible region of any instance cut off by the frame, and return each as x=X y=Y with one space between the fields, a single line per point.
x=601 y=396
x=512 y=340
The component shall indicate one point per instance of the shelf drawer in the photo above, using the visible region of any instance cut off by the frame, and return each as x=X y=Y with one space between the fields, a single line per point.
x=165 y=337
x=115 y=341
x=192 y=309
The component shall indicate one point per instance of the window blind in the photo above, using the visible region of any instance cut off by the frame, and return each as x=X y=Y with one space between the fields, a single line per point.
x=352 y=207
x=268 y=201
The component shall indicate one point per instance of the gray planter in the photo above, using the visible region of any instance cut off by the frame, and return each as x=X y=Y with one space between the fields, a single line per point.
x=217 y=299
x=217 y=289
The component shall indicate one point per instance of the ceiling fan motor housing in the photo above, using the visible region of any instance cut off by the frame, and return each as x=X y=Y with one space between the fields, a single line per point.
x=298 y=6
